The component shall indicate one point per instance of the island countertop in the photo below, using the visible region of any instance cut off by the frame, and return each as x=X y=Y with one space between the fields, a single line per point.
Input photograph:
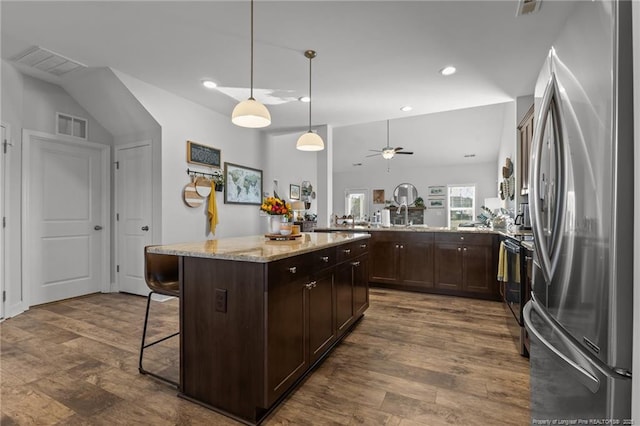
x=425 y=228
x=257 y=248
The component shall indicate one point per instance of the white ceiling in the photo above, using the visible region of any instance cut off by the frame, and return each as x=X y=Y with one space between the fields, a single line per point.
x=373 y=56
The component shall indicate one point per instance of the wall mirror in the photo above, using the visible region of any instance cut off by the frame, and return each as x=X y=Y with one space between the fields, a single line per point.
x=405 y=193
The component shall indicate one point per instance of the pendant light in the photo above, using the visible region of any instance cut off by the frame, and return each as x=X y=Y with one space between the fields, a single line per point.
x=251 y=113
x=310 y=141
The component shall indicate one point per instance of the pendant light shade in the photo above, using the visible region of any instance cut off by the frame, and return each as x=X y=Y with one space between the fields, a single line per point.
x=310 y=141
x=251 y=113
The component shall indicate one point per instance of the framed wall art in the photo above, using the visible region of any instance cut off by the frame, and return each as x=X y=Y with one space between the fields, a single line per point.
x=378 y=196
x=294 y=192
x=203 y=155
x=242 y=185
x=436 y=203
x=437 y=191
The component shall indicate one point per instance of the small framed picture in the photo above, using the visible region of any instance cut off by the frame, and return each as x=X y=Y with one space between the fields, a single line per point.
x=203 y=155
x=378 y=196
x=436 y=203
x=294 y=192
x=437 y=191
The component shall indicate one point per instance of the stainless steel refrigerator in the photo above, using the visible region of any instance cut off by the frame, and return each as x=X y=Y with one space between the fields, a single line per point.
x=581 y=201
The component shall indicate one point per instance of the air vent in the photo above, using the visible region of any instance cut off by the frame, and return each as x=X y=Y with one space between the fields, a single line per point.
x=47 y=61
x=525 y=7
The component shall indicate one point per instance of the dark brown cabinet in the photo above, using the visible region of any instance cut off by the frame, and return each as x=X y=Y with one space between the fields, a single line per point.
x=321 y=324
x=352 y=286
x=466 y=263
x=525 y=141
x=402 y=259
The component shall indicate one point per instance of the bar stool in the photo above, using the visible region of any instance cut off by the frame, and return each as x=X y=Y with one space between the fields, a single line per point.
x=161 y=275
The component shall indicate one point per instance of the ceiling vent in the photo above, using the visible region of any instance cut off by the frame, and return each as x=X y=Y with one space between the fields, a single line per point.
x=47 y=61
x=526 y=7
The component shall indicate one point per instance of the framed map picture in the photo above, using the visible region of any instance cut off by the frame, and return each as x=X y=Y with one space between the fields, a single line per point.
x=242 y=185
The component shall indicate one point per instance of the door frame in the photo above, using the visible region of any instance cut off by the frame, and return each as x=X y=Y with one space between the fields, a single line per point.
x=105 y=285
x=116 y=197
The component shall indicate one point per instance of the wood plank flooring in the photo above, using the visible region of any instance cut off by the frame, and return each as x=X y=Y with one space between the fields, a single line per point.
x=414 y=359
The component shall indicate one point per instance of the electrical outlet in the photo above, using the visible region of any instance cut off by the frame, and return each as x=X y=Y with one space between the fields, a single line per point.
x=221 y=300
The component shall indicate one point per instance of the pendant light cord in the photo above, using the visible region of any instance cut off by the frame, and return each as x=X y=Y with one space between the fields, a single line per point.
x=251 y=95
x=310 y=58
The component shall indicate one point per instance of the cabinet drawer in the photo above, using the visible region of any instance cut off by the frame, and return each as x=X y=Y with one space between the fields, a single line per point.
x=289 y=269
x=464 y=238
x=322 y=259
x=351 y=250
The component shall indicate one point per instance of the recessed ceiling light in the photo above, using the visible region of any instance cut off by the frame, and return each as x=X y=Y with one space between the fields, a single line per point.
x=448 y=70
x=406 y=108
x=304 y=99
x=209 y=84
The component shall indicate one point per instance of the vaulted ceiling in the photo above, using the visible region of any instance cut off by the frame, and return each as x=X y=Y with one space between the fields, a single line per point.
x=373 y=56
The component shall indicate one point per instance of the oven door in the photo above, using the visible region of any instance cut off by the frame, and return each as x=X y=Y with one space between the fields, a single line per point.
x=513 y=285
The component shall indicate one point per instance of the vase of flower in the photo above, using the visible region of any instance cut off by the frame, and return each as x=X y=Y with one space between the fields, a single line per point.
x=274 y=223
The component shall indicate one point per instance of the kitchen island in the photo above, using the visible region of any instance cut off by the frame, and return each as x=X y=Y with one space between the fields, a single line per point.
x=257 y=315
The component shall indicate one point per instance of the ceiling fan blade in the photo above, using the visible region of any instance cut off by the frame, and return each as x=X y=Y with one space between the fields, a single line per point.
x=398 y=149
x=372 y=155
x=405 y=152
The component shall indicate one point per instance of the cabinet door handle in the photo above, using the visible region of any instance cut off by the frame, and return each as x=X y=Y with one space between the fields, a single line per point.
x=462 y=238
x=356 y=264
x=325 y=259
x=293 y=269
x=313 y=284
x=459 y=249
x=346 y=251
x=308 y=286
x=363 y=246
x=465 y=249
x=401 y=246
x=397 y=245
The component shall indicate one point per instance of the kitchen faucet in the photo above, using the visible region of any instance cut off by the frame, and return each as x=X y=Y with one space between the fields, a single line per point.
x=406 y=212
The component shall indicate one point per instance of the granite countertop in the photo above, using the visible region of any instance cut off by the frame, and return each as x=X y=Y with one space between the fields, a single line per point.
x=257 y=248
x=424 y=228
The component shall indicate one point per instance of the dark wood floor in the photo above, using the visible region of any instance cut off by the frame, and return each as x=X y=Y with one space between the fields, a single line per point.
x=414 y=359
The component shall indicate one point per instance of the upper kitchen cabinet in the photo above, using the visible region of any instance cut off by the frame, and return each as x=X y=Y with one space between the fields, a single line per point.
x=525 y=138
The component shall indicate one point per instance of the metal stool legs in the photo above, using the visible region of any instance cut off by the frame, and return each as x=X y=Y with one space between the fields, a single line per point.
x=143 y=346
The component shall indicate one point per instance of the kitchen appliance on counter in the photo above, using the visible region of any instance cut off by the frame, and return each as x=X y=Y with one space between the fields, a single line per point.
x=523 y=220
x=580 y=314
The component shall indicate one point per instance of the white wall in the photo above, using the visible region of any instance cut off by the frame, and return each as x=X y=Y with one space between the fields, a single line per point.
x=183 y=120
x=284 y=163
x=482 y=175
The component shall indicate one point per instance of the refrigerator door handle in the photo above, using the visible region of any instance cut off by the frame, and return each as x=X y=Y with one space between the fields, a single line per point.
x=585 y=377
x=547 y=265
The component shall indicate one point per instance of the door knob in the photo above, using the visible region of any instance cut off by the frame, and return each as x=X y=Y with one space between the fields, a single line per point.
x=97 y=227
x=145 y=228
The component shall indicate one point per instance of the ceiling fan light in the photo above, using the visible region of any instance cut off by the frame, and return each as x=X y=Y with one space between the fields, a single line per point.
x=387 y=154
x=251 y=113
x=310 y=142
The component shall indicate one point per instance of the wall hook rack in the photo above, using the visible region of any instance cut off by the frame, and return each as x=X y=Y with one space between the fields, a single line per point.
x=216 y=176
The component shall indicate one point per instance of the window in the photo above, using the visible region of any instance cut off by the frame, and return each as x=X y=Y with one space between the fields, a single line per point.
x=462 y=204
x=71 y=126
x=356 y=203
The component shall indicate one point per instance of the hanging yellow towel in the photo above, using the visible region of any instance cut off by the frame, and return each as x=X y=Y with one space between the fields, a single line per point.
x=212 y=209
x=502 y=263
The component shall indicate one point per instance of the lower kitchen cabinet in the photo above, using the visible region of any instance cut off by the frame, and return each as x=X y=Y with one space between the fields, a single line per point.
x=466 y=263
x=402 y=259
x=321 y=326
x=457 y=263
x=352 y=289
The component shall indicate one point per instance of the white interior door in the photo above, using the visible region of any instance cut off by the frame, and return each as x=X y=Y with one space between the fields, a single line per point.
x=133 y=209
x=3 y=269
x=65 y=250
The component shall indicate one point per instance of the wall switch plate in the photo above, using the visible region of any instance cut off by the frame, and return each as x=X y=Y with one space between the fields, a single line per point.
x=221 y=300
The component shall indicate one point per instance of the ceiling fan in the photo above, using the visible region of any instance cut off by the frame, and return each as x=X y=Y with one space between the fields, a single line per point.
x=388 y=152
